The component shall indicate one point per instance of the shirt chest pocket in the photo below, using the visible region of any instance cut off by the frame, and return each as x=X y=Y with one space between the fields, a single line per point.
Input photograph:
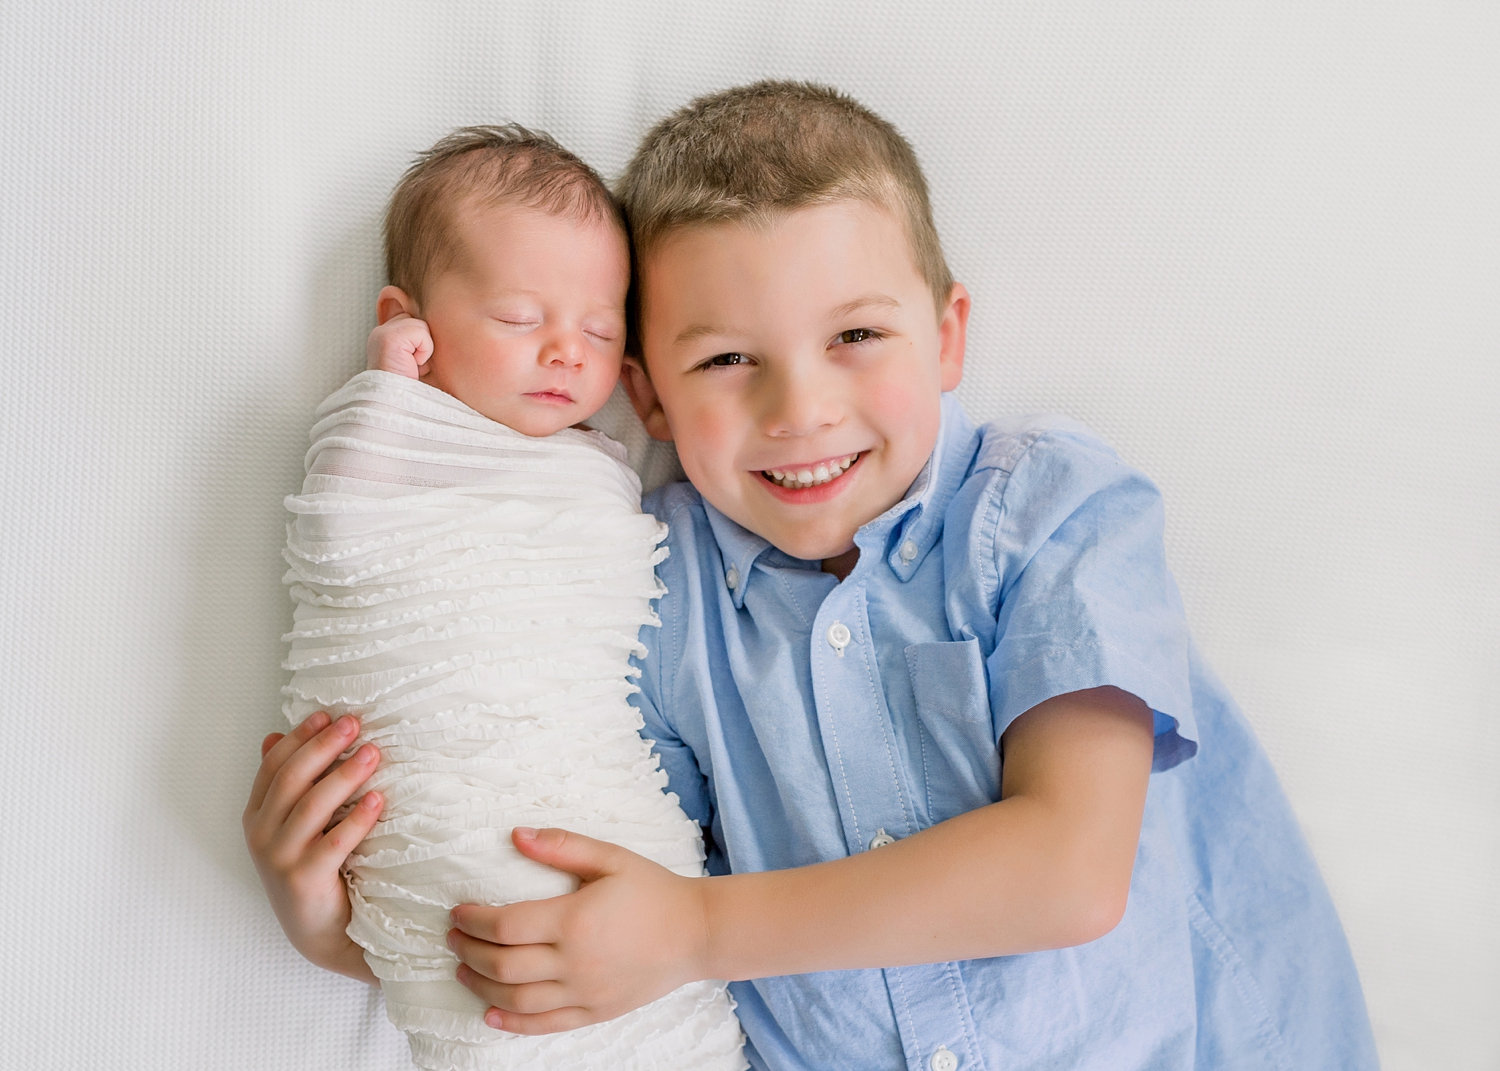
x=958 y=758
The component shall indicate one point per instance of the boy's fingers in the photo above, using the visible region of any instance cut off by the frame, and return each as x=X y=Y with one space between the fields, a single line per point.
x=281 y=747
x=309 y=761
x=343 y=838
x=504 y=965
x=532 y=998
x=526 y=922
x=544 y=1023
x=583 y=856
x=310 y=815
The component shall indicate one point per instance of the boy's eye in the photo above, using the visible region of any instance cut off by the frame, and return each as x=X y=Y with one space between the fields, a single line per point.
x=725 y=360
x=857 y=334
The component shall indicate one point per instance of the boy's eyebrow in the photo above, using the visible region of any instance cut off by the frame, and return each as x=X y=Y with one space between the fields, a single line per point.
x=868 y=301
x=693 y=332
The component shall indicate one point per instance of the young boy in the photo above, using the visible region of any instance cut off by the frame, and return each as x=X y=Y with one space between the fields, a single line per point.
x=973 y=799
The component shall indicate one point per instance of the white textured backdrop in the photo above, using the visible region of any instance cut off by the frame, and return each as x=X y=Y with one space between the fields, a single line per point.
x=1257 y=245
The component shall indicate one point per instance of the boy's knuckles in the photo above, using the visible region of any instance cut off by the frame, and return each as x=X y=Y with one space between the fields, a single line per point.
x=580 y=930
x=517 y=999
x=505 y=970
x=342 y=839
x=534 y=999
x=500 y=929
x=256 y=838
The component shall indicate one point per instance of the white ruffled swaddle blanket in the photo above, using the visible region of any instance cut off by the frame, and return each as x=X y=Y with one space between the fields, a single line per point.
x=474 y=594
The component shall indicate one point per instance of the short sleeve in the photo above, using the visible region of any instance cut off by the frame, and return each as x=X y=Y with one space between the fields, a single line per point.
x=683 y=776
x=1084 y=595
x=662 y=644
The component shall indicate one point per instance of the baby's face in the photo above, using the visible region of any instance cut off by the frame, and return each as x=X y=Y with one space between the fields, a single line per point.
x=528 y=325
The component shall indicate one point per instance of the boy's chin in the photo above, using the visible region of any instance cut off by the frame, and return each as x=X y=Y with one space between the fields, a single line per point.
x=818 y=550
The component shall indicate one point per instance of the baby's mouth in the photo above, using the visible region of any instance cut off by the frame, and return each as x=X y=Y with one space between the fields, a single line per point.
x=822 y=472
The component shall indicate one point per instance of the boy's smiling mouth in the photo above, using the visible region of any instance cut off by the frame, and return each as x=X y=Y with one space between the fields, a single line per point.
x=802 y=476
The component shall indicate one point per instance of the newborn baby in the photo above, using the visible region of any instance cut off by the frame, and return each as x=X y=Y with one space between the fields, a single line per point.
x=470 y=572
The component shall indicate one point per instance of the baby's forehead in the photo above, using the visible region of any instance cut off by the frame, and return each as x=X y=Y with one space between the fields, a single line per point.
x=473 y=211
x=508 y=228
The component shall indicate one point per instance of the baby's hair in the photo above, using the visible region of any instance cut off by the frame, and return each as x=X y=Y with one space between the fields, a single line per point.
x=755 y=152
x=482 y=166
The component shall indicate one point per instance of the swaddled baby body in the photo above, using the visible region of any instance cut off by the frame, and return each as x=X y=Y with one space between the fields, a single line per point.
x=475 y=594
x=470 y=574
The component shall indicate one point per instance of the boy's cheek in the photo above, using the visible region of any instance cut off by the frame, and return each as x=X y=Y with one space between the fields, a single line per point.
x=702 y=437
x=910 y=403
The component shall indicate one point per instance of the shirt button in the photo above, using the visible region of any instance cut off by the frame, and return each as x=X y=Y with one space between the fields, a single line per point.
x=881 y=839
x=838 y=637
x=908 y=551
x=943 y=1060
x=732 y=578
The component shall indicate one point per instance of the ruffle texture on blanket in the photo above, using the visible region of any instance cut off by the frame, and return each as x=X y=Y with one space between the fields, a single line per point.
x=475 y=595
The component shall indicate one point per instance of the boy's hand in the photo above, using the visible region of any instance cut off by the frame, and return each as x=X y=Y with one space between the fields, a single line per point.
x=633 y=932
x=402 y=345
x=295 y=845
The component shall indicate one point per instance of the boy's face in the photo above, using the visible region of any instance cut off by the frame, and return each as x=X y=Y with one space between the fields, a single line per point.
x=528 y=324
x=799 y=368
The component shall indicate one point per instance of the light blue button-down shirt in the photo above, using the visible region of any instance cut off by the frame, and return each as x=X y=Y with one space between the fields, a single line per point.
x=802 y=719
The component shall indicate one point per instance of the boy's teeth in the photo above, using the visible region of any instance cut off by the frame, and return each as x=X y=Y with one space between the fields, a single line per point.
x=813 y=476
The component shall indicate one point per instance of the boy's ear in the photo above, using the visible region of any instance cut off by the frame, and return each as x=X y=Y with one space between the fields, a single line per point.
x=643 y=396
x=391 y=302
x=953 y=329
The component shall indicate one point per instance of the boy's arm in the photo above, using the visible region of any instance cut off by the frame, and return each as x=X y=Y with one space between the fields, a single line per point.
x=297 y=848
x=1046 y=867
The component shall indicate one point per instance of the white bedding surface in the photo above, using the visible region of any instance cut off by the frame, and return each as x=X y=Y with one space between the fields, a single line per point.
x=1256 y=246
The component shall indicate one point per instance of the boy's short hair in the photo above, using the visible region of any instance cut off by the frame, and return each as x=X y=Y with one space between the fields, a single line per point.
x=484 y=166
x=751 y=153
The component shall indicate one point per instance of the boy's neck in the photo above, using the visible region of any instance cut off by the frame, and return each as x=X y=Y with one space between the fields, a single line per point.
x=842 y=565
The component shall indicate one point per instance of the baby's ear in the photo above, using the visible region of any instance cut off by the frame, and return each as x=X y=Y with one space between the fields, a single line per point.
x=391 y=302
x=643 y=396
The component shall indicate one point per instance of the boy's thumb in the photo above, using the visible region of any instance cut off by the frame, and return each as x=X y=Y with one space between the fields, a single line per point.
x=584 y=856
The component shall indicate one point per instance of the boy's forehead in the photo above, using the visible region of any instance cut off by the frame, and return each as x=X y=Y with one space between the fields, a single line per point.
x=868 y=218
x=760 y=221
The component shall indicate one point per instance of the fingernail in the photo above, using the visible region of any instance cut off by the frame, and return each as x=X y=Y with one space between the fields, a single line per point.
x=371 y=801
x=524 y=833
x=317 y=719
x=492 y=1019
x=347 y=725
x=366 y=753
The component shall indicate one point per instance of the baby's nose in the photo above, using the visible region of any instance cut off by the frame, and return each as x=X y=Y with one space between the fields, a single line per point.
x=563 y=348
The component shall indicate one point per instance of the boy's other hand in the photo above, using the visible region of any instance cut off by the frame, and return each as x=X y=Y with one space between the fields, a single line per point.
x=295 y=844
x=633 y=931
x=402 y=345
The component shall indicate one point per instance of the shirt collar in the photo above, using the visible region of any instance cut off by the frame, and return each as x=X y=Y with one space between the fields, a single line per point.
x=739 y=548
x=903 y=534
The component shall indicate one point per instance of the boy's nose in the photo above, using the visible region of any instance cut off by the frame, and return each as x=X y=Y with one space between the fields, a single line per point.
x=799 y=403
